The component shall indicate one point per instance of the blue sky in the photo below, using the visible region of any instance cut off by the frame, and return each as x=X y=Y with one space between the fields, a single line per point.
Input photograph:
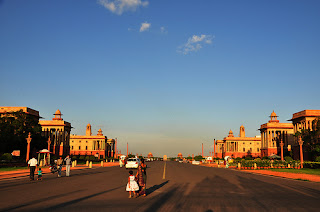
x=164 y=76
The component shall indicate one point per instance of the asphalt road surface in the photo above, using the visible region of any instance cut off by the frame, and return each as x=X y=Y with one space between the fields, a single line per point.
x=186 y=187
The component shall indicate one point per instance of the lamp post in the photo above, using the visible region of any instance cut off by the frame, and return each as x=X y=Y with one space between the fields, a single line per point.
x=301 y=151
x=281 y=146
x=28 y=146
x=202 y=150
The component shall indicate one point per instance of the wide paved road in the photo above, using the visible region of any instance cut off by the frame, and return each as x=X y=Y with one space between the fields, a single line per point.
x=186 y=187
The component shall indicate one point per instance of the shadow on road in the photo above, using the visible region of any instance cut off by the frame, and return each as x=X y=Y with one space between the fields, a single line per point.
x=78 y=200
x=40 y=200
x=156 y=187
x=162 y=200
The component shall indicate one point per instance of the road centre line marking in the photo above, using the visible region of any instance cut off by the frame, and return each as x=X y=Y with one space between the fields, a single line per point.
x=164 y=171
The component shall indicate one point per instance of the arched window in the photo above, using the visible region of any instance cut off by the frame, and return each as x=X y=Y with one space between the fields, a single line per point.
x=86 y=147
x=79 y=147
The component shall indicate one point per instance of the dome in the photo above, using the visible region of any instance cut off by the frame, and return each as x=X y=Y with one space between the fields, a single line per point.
x=58 y=112
x=230 y=133
x=100 y=130
x=273 y=114
x=89 y=125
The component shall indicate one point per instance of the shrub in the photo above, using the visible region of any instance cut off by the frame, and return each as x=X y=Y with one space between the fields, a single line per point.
x=288 y=158
x=311 y=165
x=87 y=157
x=248 y=158
x=6 y=156
x=92 y=158
x=317 y=159
x=74 y=157
x=81 y=157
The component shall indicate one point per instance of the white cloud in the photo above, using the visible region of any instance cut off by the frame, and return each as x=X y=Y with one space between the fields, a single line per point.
x=163 y=30
x=120 y=6
x=145 y=26
x=195 y=43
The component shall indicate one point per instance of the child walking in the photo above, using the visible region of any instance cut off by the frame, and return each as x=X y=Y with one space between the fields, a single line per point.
x=132 y=185
x=39 y=174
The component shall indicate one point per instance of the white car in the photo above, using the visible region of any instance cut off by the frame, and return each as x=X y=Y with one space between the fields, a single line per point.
x=133 y=163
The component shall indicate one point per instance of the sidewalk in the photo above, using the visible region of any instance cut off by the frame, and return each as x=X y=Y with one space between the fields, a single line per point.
x=296 y=176
x=45 y=170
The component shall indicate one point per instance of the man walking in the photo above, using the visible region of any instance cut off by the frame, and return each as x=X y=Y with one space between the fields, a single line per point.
x=68 y=165
x=59 y=163
x=32 y=163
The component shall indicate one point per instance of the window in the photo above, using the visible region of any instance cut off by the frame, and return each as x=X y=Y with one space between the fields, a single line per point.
x=258 y=149
x=80 y=141
x=250 y=143
x=86 y=147
x=72 y=146
x=79 y=147
x=72 y=141
x=244 y=149
x=244 y=143
x=250 y=149
x=86 y=141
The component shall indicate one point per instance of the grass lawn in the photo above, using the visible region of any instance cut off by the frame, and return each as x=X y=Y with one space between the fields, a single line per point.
x=12 y=168
x=298 y=171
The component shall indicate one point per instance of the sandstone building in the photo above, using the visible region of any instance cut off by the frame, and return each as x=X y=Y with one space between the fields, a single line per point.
x=88 y=144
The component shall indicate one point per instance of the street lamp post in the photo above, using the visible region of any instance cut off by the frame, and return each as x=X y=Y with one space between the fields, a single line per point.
x=281 y=146
x=301 y=151
x=28 y=146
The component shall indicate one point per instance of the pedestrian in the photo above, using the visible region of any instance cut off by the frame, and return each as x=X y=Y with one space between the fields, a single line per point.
x=142 y=177
x=68 y=165
x=59 y=163
x=32 y=164
x=39 y=174
x=132 y=185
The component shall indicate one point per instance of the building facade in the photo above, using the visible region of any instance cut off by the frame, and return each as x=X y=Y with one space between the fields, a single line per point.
x=58 y=131
x=30 y=112
x=97 y=145
x=241 y=146
x=272 y=133
x=303 y=120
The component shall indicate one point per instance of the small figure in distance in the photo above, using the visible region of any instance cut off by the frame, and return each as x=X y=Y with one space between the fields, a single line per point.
x=132 y=185
x=68 y=165
x=32 y=163
x=39 y=174
x=59 y=163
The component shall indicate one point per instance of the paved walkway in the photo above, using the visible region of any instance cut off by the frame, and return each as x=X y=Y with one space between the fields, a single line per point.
x=296 y=176
x=45 y=170
x=310 y=177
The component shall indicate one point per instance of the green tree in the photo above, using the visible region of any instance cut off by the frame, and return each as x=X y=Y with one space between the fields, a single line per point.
x=14 y=129
x=198 y=158
x=311 y=138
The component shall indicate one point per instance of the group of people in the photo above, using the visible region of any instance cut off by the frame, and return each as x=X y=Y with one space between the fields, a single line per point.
x=33 y=163
x=137 y=183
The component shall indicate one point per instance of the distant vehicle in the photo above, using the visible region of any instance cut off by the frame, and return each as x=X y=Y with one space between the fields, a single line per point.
x=133 y=163
x=196 y=162
x=147 y=159
x=180 y=161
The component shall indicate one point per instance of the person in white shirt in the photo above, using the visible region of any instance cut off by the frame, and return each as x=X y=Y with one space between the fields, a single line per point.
x=32 y=163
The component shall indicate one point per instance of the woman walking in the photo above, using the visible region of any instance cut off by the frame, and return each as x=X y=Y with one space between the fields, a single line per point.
x=142 y=177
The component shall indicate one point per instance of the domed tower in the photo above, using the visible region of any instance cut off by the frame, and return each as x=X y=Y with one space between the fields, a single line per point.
x=100 y=132
x=57 y=115
x=242 y=132
x=88 y=130
x=230 y=133
x=273 y=117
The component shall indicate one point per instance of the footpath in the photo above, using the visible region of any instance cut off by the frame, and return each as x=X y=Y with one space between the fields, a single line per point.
x=4 y=175
x=295 y=176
